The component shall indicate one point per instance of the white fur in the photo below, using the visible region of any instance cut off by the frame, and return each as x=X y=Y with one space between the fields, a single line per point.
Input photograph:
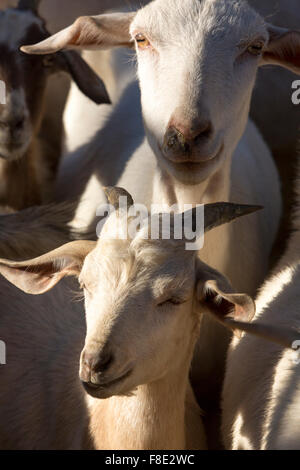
x=268 y=114
x=186 y=70
x=82 y=119
x=154 y=408
x=261 y=397
x=16 y=109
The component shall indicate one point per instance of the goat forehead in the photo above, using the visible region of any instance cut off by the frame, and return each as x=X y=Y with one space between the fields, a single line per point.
x=182 y=20
x=120 y=263
x=129 y=285
x=20 y=27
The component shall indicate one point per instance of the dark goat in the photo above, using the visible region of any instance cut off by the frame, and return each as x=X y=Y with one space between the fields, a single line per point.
x=27 y=167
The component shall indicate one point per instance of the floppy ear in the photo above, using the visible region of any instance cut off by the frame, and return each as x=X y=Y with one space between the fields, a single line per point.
x=88 y=32
x=283 y=49
x=215 y=296
x=88 y=82
x=41 y=274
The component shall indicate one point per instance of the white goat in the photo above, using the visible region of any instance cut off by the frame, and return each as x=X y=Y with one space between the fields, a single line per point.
x=197 y=64
x=144 y=300
x=261 y=397
x=187 y=156
x=28 y=163
x=270 y=115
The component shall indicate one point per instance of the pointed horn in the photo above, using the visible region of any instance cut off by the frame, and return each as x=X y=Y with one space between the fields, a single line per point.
x=114 y=194
x=224 y=212
x=29 y=5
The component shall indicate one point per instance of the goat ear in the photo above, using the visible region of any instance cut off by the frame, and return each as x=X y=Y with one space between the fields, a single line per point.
x=283 y=49
x=88 y=32
x=41 y=274
x=215 y=296
x=88 y=82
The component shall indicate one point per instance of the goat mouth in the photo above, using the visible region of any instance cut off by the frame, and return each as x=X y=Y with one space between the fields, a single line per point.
x=96 y=389
x=190 y=162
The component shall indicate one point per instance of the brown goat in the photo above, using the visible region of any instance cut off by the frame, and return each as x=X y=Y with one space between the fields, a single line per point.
x=28 y=163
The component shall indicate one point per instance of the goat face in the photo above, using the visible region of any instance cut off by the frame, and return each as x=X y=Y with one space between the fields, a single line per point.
x=142 y=301
x=25 y=78
x=25 y=81
x=139 y=315
x=142 y=297
x=197 y=64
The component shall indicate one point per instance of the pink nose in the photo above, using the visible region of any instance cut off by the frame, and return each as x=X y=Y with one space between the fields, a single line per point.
x=183 y=136
x=94 y=363
x=190 y=131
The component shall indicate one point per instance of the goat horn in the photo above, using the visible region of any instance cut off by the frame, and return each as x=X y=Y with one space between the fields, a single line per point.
x=113 y=195
x=224 y=212
x=220 y=213
x=29 y=5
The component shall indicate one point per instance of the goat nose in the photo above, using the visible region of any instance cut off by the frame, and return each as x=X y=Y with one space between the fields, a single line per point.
x=181 y=137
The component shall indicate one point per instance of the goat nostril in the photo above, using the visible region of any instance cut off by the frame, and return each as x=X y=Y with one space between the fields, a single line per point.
x=204 y=131
x=175 y=140
x=19 y=124
x=172 y=140
x=96 y=363
x=171 y=137
x=103 y=363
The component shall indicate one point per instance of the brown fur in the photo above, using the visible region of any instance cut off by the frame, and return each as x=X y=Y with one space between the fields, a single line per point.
x=27 y=180
x=22 y=186
x=27 y=130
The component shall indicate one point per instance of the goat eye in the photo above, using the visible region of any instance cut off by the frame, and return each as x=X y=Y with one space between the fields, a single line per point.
x=255 y=49
x=171 y=302
x=142 y=41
